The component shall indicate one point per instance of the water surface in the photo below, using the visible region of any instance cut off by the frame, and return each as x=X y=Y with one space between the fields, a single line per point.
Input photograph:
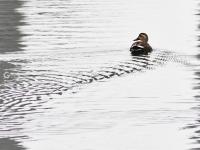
x=67 y=76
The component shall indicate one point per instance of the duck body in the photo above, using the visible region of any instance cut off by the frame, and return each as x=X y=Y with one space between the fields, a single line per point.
x=140 y=45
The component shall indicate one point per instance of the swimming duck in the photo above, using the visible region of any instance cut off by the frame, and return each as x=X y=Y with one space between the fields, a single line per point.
x=140 y=45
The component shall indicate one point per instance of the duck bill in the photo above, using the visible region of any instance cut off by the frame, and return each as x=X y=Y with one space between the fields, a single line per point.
x=136 y=39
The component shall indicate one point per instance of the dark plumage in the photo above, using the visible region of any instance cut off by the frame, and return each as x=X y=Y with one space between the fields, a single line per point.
x=140 y=45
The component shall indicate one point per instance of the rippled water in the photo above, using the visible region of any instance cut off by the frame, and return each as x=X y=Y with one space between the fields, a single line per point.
x=68 y=81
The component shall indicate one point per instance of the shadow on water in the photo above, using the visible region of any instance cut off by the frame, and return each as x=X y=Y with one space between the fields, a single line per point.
x=10 y=19
x=196 y=125
x=10 y=38
x=10 y=144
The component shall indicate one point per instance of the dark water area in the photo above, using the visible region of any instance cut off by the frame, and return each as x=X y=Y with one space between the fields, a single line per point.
x=9 y=144
x=67 y=76
x=10 y=21
x=195 y=137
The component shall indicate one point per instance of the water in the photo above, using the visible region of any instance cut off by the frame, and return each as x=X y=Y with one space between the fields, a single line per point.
x=68 y=80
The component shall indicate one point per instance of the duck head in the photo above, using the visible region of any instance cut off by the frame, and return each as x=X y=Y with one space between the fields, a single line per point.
x=142 y=37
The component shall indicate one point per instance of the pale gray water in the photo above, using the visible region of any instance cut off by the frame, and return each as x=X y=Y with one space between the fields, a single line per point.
x=68 y=81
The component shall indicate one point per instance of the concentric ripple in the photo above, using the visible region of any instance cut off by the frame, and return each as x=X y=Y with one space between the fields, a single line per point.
x=31 y=84
x=26 y=91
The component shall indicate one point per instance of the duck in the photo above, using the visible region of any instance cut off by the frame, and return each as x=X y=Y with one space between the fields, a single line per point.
x=141 y=45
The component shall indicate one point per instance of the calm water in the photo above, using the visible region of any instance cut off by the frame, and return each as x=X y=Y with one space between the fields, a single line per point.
x=68 y=81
